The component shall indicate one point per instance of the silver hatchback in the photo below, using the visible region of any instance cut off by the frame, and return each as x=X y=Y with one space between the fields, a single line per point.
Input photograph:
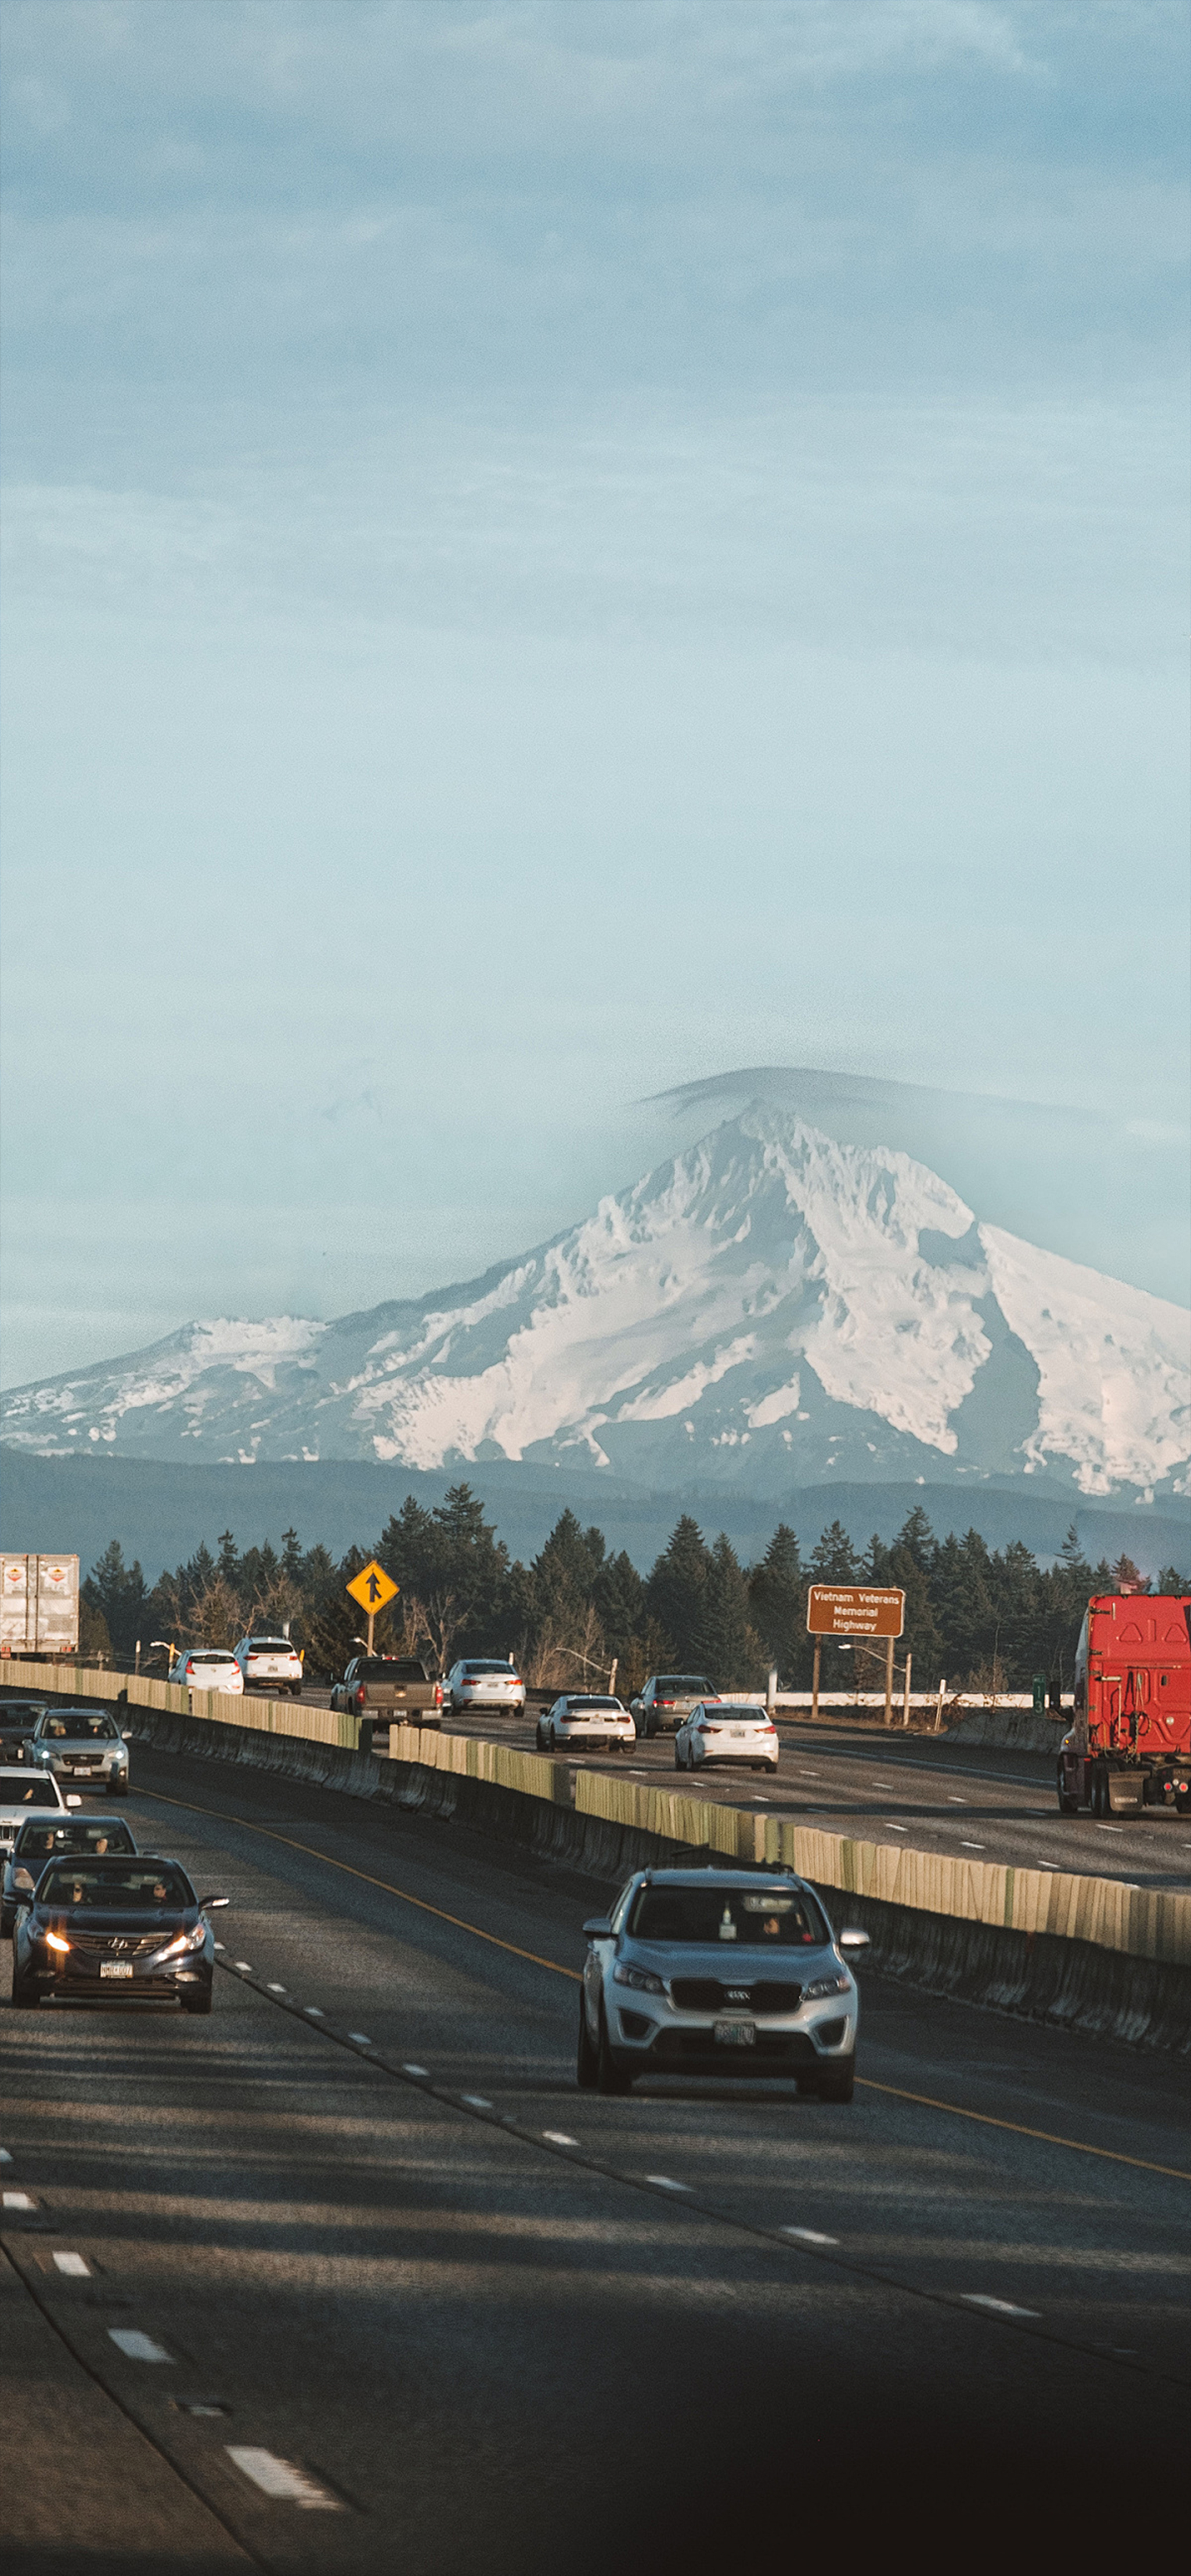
x=718 y=1972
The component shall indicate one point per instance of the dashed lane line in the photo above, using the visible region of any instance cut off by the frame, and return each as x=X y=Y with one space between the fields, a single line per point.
x=986 y=2119
x=810 y=2242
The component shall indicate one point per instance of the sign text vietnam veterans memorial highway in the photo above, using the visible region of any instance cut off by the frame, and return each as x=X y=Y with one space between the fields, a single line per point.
x=854 y=1610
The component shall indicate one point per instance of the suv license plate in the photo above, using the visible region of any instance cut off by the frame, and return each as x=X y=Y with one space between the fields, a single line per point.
x=736 y=2034
x=115 y=1967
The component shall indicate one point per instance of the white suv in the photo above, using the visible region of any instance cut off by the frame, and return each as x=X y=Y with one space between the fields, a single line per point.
x=270 y=1664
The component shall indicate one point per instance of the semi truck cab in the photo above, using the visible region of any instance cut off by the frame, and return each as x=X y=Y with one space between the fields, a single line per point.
x=1130 y=1745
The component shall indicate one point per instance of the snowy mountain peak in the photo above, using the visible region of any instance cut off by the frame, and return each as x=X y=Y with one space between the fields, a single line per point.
x=771 y=1309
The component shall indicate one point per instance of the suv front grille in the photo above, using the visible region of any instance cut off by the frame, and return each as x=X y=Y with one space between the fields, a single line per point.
x=709 y=1994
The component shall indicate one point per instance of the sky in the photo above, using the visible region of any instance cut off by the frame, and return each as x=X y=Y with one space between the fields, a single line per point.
x=555 y=553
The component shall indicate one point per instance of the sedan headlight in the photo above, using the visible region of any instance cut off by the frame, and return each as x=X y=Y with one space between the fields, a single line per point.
x=54 y=1941
x=826 y=1986
x=175 y=1949
x=639 y=1978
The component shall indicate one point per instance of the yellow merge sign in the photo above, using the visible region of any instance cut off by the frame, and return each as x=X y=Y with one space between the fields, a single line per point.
x=372 y=1587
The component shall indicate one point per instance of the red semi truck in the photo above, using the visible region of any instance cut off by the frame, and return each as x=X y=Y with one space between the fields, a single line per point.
x=1130 y=1746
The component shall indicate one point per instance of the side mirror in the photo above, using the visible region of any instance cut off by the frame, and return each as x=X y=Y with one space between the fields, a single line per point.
x=74 y=1799
x=210 y=1904
x=599 y=1928
x=853 y=1940
x=127 y=1734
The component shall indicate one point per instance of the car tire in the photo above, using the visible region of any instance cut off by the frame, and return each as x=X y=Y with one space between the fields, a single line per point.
x=610 y=2078
x=1099 y=1797
x=200 y=2003
x=118 y=1789
x=677 y=1756
x=587 y=2056
x=840 y=2085
x=24 y=1993
x=1068 y=1806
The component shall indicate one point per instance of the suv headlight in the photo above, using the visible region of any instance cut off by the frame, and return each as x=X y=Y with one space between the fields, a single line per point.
x=639 y=1978
x=826 y=1986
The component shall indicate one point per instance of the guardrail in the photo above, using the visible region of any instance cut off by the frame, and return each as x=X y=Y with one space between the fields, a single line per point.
x=1138 y=1922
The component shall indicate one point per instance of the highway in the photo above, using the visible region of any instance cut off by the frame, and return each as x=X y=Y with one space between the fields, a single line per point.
x=359 y=2280
x=886 y=1787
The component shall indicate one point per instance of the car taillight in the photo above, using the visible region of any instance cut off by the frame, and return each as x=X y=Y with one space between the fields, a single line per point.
x=361 y=1696
x=438 y=1694
x=709 y=1730
x=665 y=1703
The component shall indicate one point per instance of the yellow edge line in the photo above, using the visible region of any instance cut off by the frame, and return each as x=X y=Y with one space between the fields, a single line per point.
x=987 y=2120
x=385 y=1883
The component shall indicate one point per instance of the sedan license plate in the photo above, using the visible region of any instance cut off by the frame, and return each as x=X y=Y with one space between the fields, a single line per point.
x=736 y=2034
x=115 y=1967
x=736 y=1730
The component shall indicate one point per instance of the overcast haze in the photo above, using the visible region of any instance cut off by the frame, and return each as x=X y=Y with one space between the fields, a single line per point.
x=554 y=553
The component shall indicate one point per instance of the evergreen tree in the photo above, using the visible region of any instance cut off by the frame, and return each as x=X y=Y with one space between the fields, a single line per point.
x=777 y=1605
x=727 y=1648
x=229 y=1558
x=618 y=1595
x=835 y=1559
x=1171 y=1581
x=676 y=1587
x=117 y=1594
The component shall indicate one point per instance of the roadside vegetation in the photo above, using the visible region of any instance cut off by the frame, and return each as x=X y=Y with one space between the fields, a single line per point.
x=987 y=1619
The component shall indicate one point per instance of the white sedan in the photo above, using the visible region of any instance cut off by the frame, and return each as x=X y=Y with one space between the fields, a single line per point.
x=207 y=1668
x=721 y=1730
x=25 y=1792
x=582 y=1717
x=480 y=1681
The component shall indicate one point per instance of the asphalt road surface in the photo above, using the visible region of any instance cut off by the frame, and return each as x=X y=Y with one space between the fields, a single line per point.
x=886 y=1787
x=350 y=2277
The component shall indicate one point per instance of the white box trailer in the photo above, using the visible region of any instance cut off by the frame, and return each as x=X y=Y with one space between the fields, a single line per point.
x=39 y=1605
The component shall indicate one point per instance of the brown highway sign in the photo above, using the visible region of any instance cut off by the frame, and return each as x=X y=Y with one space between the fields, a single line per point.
x=854 y=1610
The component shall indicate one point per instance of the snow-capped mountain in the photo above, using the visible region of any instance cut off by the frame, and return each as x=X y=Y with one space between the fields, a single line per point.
x=770 y=1310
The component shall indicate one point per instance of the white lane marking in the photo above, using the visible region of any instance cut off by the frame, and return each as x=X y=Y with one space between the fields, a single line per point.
x=75 y=2266
x=361 y=2038
x=1108 y=1829
x=895 y=1829
x=1048 y=1864
x=136 y=2346
x=559 y=2138
x=666 y=2182
x=477 y=2101
x=956 y=1802
x=219 y=1945
x=315 y=2011
x=810 y=2235
x=5 y=2157
x=280 y=2479
x=274 y=1988
x=244 y=1964
x=415 y=2070
x=973 y=1846
x=18 y=2200
x=999 y=2307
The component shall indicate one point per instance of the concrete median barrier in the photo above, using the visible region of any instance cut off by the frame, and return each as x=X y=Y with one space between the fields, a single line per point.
x=1090 y=1953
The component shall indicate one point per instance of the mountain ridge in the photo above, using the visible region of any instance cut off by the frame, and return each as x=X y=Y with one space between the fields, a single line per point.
x=768 y=1309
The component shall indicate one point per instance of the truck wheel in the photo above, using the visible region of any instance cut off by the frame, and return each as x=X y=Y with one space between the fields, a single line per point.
x=586 y=2056
x=1099 y=1801
x=1068 y=1806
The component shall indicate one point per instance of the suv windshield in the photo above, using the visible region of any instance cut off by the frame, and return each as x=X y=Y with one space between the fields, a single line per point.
x=138 y=1888
x=684 y=1686
x=79 y=1725
x=42 y=1842
x=763 y=1918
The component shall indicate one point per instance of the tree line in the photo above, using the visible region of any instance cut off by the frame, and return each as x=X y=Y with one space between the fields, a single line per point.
x=984 y=1618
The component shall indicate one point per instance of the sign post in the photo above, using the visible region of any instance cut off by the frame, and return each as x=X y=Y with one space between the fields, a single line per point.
x=855 y=1610
x=373 y=1589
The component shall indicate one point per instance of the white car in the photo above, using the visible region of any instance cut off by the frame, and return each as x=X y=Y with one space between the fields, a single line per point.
x=24 y=1793
x=582 y=1717
x=722 y=1730
x=83 y=1744
x=479 y=1681
x=209 y=1668
x=270 y=1664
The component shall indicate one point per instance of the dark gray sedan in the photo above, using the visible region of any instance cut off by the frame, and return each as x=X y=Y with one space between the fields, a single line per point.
x=54 y=1837
x=114 y=1927
x=718 y=1972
